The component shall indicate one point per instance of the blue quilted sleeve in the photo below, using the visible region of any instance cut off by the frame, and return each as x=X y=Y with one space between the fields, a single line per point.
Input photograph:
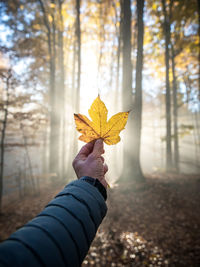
x=61 y=234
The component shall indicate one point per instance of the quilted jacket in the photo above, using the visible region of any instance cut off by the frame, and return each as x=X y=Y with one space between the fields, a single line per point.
x=61 y=234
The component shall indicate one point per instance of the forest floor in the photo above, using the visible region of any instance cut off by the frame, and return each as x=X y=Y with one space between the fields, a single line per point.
x=152 y=224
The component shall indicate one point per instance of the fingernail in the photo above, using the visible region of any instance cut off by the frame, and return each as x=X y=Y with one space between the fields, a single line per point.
x=99 y=141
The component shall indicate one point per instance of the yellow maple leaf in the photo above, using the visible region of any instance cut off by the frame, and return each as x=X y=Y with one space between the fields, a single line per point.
x=99 y=127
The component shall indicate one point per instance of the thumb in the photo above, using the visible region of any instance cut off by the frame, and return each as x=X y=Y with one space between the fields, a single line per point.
x=98 y=148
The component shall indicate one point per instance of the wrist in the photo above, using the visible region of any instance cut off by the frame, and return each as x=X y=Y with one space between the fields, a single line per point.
x=96 y=183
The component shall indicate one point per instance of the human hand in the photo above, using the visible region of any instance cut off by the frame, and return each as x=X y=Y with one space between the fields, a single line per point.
x=89 y=162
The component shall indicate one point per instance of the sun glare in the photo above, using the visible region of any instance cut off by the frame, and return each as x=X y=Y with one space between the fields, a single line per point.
x=89 y=75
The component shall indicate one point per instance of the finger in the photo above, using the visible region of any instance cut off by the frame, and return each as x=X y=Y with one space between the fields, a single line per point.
x=105 y=168
x=85 y=150
x=98 y=148
x=102 y=159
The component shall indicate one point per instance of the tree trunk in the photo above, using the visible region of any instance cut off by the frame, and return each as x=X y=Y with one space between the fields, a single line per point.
x=166 y=26
x=102 y=43
x=175 y=114
x=127 y=87
x=74 y=95
x=196 y=136
x=78 y=38
x=54 y=122
x=126 y=50
x=61 y=93
x=119 y=37
x=44 y=152
x=198 y=8
x=3 y=134
x=137 y=122
x=132 y=168
x=32 y=180
x=76 y=77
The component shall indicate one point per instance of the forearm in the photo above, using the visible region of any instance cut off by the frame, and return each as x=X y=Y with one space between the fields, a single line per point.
x=62 y=233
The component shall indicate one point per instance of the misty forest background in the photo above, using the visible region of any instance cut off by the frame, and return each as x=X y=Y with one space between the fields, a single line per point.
x=56 y=56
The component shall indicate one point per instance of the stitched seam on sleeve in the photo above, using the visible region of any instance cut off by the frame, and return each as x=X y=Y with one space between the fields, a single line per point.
x=29 y=248
x=83 y=202
x=84 y=189
x=49 y=235
x=69 y=211
x=87 y=192
x=54 y=217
